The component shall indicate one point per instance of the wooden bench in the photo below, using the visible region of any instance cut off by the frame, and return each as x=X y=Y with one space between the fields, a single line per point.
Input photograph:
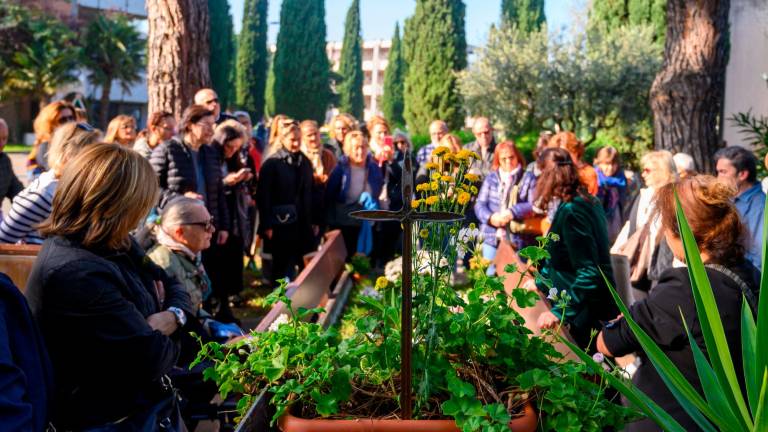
x=16 y=261
x=322 y=283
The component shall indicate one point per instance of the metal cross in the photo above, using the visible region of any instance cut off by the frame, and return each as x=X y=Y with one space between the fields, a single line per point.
x=407 y=216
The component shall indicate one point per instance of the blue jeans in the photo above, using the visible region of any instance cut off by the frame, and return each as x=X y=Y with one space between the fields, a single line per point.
x=489 y=252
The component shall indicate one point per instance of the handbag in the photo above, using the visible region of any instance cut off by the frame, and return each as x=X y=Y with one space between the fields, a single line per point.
x=529 y=226
x=638 y=250
x=284 y=214
x=162 y=416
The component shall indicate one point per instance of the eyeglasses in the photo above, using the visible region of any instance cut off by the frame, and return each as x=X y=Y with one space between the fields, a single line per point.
x=66 y=119
x=208 y=225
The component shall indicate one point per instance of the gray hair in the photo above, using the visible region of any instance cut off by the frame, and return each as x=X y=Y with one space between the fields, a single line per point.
x=179 y=211
x=238 y=114
x=404 y=135
x=684 y=162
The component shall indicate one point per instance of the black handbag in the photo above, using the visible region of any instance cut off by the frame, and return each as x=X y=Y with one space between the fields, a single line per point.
x=284 y=214
x=162 y=416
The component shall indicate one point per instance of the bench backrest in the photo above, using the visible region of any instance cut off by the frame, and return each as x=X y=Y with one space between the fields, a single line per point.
x=16 y=261
x=313 y=285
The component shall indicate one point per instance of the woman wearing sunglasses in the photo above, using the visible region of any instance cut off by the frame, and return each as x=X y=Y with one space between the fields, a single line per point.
x=33 y=204
x=49 y=119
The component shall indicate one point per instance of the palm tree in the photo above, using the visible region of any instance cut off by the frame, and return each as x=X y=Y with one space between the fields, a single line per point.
x=113 y=50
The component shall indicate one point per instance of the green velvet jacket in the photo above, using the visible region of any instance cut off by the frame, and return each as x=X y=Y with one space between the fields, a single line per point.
x=575 y=263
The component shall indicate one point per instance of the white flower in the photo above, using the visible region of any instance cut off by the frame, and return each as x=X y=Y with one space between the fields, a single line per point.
x=552 y=294
x=393 y=270
x=598 y=357
x=282 y=319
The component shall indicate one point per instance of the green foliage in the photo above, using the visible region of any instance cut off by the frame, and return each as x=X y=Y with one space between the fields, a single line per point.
x=755 y=130
x=269 y=92
x=302 y=84
x=252 y=59
x=594 y=81
x=609 y=15
x=527 y=15
x=222 y=59
x=721 y=405
x=39 y=54
x=392 y=103
x=351 y=65
x=435 y=49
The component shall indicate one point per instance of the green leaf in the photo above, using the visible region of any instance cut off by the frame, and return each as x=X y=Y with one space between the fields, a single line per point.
x=749 y=355
x=710 y=322
x=534 y=378
x=498 y=413
x=279 y=364
x=341 y=384
x=325 y=404
x=460 y=388
x=525 y=298
x=761 y=359
x=534 y=254
x=761 y=418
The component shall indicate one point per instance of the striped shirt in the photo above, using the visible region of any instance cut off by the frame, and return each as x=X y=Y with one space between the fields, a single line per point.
x=30 y=207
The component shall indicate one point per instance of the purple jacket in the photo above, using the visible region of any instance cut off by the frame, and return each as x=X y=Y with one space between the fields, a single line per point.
x=488 y=202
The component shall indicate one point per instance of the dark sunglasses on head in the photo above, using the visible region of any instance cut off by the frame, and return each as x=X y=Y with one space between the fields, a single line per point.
x=212 y=101
x=208 y=225
x=85 y=127
x=66 y=119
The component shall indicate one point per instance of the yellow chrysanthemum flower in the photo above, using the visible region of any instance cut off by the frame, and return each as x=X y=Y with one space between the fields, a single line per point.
x=440 y=151
x=472 y=177
x=463 y=198
x=435 y=175
x=415 y=203
x=446 y=178
x=381 y=282
x=434 y=186
x=430 y=166
x=422 y=187
x=424 y=233
x=431 y=200
x=474 y=190
x=463 y=155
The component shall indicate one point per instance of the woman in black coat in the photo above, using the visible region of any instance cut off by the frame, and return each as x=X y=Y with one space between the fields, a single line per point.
x=110 y=318
x=720 y=237
x=285 y=202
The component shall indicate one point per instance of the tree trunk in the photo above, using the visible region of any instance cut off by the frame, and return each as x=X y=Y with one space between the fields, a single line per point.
x=687 y=94
x=106 y=89
x=177 y=60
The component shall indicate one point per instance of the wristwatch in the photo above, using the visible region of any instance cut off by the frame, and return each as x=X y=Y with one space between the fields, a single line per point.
x=181 y=317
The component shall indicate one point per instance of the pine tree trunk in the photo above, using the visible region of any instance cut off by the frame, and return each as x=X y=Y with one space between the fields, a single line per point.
x=177 y=60
x=106 y=89
x=687 y=94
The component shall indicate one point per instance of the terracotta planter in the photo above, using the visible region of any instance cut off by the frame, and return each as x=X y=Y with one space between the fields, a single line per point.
x=289 y=423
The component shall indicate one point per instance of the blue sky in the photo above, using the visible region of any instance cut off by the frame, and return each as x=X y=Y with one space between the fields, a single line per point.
x=379 y=16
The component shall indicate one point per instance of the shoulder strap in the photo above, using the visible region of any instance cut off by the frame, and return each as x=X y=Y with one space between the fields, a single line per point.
x=745 y=290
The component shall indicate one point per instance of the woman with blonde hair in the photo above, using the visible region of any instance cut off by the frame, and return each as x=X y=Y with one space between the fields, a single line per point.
x=721 y=239
x=641 y=237
x=101 y=304
x=378 y=128
x=121 y=130
x=273 y=144
x=52 y=116
x=569 y=142
x=341 y=125
x=355 y=184
x=33 y=204
x=285 y=201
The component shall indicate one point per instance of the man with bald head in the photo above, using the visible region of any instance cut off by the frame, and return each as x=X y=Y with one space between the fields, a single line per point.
x=208 y=98
x=437 y=130
x=484 y=145
x=9 y=183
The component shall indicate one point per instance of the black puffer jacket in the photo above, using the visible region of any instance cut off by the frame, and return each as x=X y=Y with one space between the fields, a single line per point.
x=172 y=161
x=92 y=307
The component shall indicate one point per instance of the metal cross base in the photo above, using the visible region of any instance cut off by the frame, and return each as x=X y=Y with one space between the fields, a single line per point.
x=407 y=216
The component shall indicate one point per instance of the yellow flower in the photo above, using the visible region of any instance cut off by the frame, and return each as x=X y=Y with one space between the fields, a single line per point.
x=474 y=155
x=381 y=282
x=474 y=190
x=431 y=200
x=446 y=178
x=472 y=226
x=435 y=175
x=472 y=177
x=440 y=150
x=463 y=198
x=430 y=166
x=424 y=233
x=422 y=187
x=463 y=155
x=434 y=186
x=415 y=203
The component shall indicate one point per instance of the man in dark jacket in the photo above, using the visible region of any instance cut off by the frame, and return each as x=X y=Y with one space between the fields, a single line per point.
x=26 y=377
x=9 y=183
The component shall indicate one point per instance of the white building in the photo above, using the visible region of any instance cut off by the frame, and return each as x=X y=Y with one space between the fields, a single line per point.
x=375 y=55
x=745 y=86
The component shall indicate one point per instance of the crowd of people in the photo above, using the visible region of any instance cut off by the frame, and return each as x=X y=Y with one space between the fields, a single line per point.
x=127 y=275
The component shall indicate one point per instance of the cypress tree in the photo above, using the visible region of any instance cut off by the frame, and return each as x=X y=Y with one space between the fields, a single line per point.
x=394 y=79
x=252 y=59
x=435 y=49
x=351 y=65
x=302 y=88
x=222 y=59
x=527 y=15
x=606 y=15
x=269 y=92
